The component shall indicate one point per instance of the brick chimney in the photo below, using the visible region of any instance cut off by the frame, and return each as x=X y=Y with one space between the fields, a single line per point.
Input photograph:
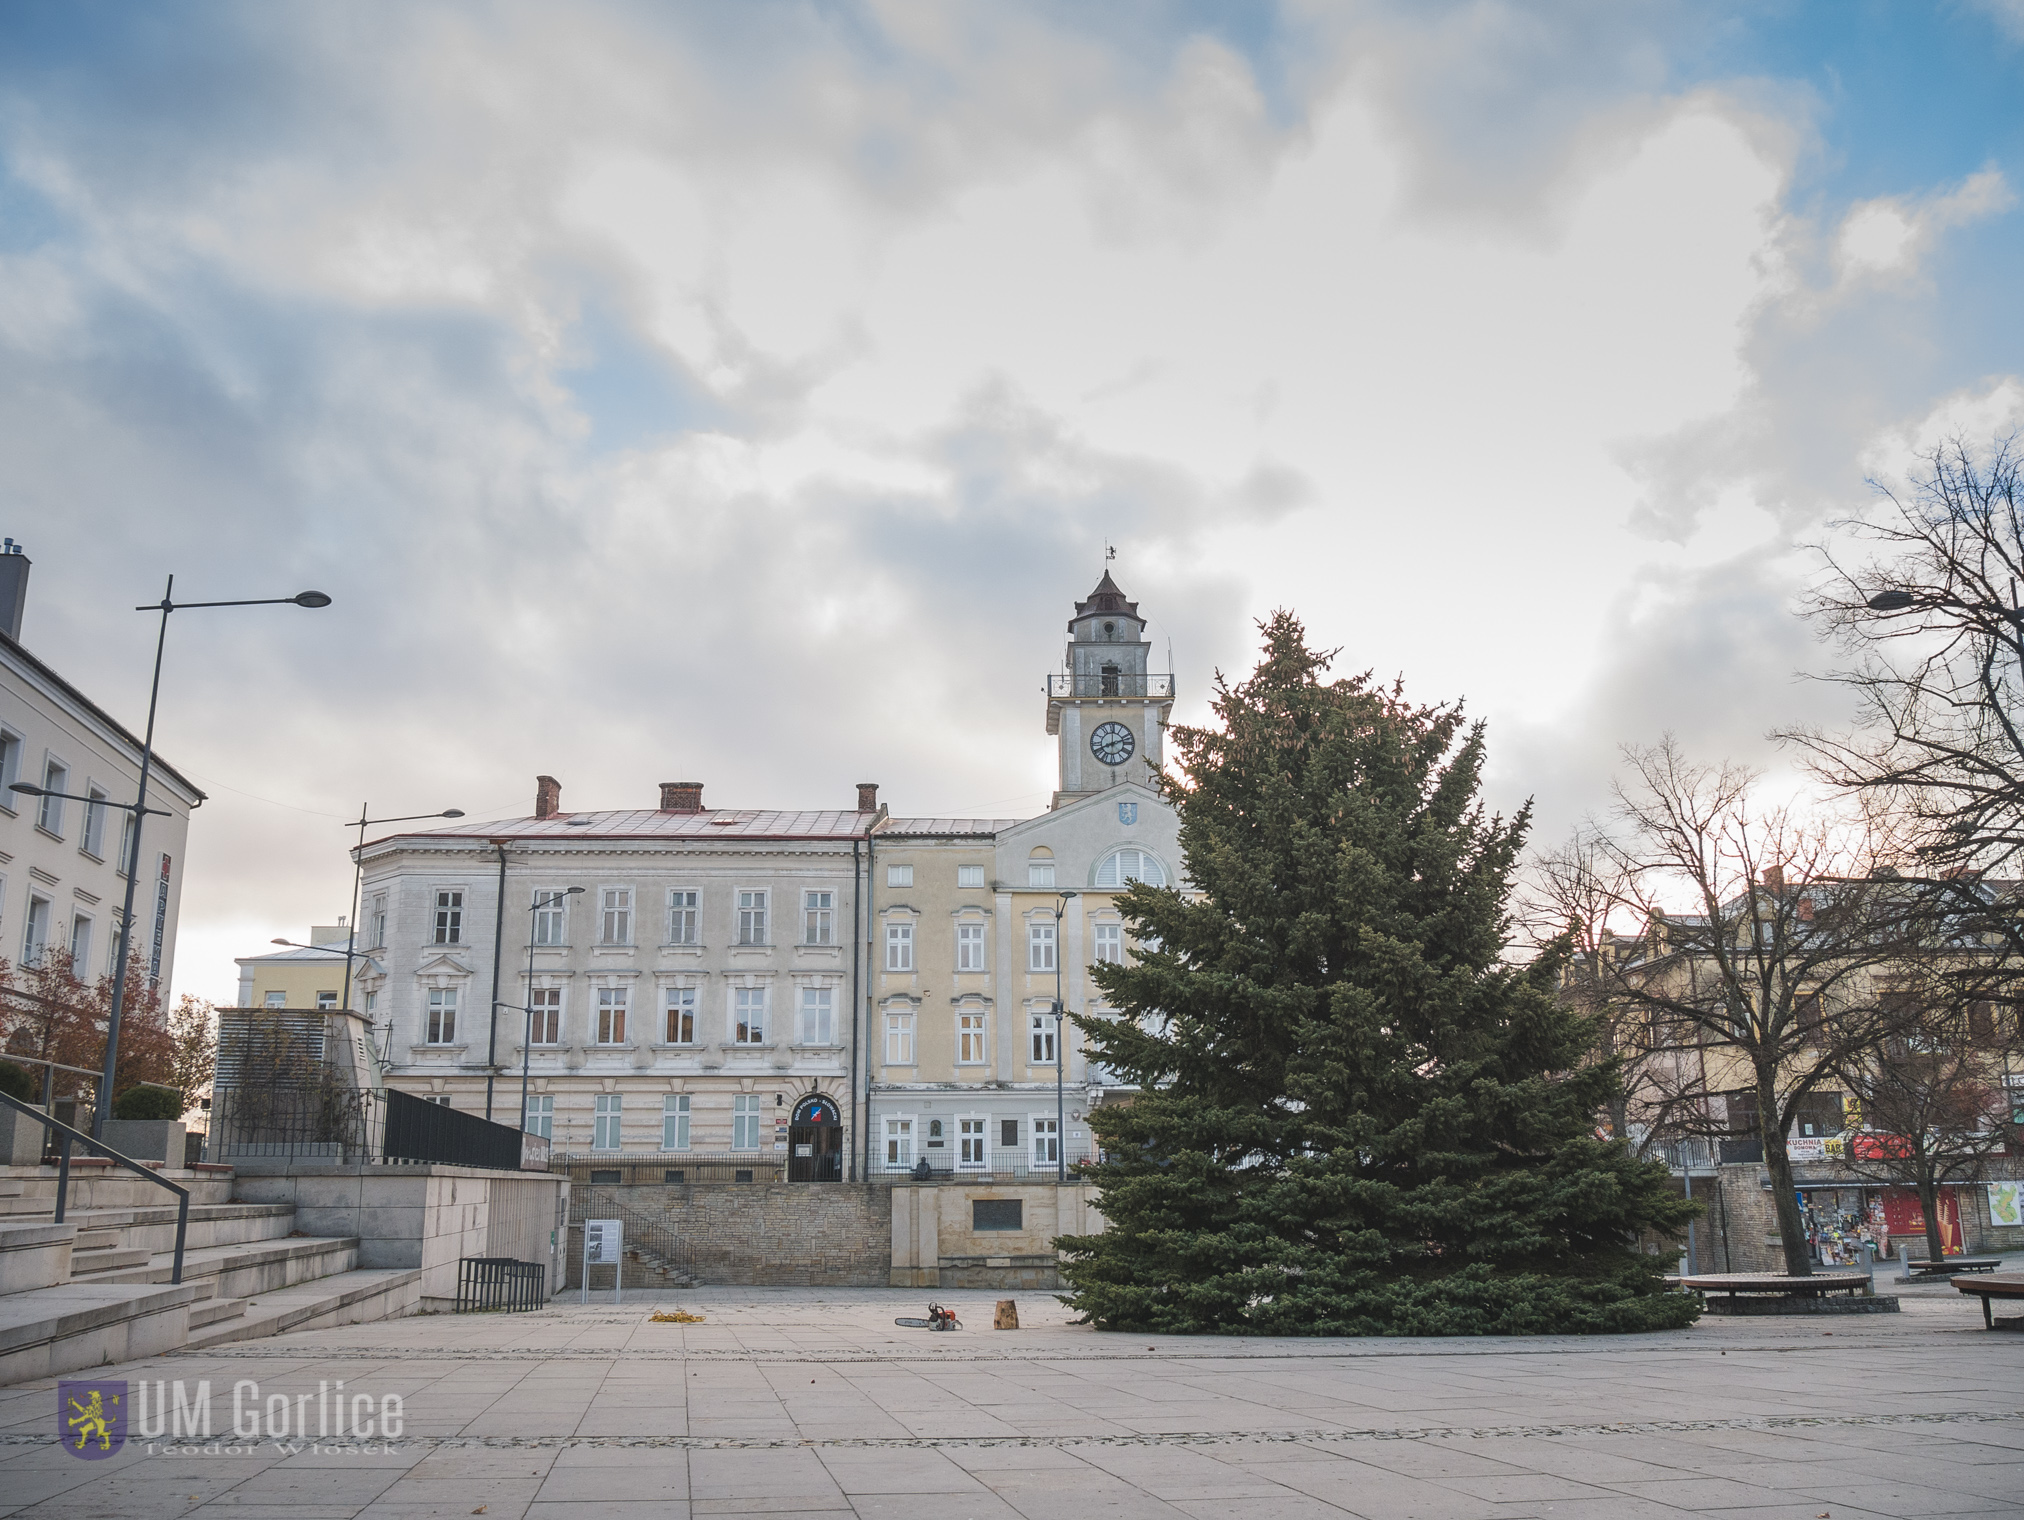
x=547 y=796
x=1774 y=878
x=681 y=796
x=867 y=796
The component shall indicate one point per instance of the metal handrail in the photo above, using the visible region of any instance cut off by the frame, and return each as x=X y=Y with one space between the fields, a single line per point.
x=66 y=1135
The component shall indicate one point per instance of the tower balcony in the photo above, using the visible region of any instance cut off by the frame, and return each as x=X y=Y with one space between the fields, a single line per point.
x=1097 y=685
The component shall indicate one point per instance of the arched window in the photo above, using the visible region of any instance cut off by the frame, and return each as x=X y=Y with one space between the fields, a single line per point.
x=1122 y=867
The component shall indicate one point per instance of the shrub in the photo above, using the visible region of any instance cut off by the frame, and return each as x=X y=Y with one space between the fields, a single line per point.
x=148 y=1100
x=19 y=1082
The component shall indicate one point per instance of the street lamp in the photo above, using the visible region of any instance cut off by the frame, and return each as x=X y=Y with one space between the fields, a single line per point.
x=1891 y=601
x=357 y=870
x=527 y=1036
x=140 y=810
x=1060 y=1047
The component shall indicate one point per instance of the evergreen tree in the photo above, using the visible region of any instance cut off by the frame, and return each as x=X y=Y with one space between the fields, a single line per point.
x=1354 y=1117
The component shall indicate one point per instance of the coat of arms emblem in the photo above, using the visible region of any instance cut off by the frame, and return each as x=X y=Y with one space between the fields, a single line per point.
x=91 y=1418
x=1127 y=812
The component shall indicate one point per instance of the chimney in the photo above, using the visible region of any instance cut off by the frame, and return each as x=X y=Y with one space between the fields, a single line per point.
x=681 y=796
x=547 y=796
x=13 y=588
x=867 y=796
x=1774 y=878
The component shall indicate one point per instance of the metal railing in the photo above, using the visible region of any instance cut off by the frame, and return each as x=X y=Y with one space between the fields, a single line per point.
x=417 y=1130
x=500 y=1284
x=347 y=1126
x=66 y=1137
x=1108 y=683
x=649 y=1239
x=678 y=1168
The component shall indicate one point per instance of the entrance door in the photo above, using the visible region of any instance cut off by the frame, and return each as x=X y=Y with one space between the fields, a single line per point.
x=815 y=1141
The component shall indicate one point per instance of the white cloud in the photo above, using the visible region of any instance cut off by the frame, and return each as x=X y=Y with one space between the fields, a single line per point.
x=1886 y=238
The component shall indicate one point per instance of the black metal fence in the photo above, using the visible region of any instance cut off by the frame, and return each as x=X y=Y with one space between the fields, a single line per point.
x=499 y=1284
x=418 y=1130
x=332 y=1122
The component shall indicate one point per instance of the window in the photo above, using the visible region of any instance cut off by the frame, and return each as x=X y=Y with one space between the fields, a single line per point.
x=1110 y=944
x=1807 y=1007
x=378 y=921
x=54 y=778
x=899 y=1138
x=1040 y=875
x=972 y=1145
x=751 y=918
x=1040 y=947
x=372 y=1002
x=1046 y=1141
x=442 y=1016
x=604 y=1124
x=970 y=1039
x=682 y=919
x=817 y=1016
x=94 y=822
x=899 y=876
x=969 y=947
x=1043 y=1039
x=326 y=999
x=540 y=1117
x=899 y=1039
x=681 y=1021
x=274 y=1000
x=551 y=918
x=750 y=1027
x=969 y=876
x=449 y=918
x=441 y=1100
x=80 y=943
x=1981 y=1021
x=1122 y=867
x=819 y=918
x=899 y=947
x=617 y=925
x=611 y=1006
x=546 y=1025
x=126 y=848
x=675 y=1122
x=10 y=767
x=36 y=939
x=745 y=1122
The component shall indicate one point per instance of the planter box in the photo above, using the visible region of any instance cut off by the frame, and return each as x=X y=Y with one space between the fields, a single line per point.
x=20 y=1139
x=147 y=1139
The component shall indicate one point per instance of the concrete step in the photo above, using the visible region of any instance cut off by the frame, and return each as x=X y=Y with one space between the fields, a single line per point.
x=47 y=1331
x=352 y=1298
x=103 y=1259
x=209 y=1311
x=94 y=1237
x=249 y=1270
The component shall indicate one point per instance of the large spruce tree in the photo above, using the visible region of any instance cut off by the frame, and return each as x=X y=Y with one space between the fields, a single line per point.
x=1355 y=1118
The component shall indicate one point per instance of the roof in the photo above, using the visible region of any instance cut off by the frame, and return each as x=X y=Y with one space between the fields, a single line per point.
x=745 y=824
x=980 y=827
x=118 y=729
x=330 y=957
x=1106 y=598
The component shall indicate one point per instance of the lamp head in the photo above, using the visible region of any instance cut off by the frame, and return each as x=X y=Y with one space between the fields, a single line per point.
x=310 y=599
x=451 y=813
x=26 y=789
x=1891 y=601
x=277 y=942
x=573 y=891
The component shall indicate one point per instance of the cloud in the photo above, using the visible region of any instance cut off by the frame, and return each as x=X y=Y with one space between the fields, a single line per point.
x=1888 y=237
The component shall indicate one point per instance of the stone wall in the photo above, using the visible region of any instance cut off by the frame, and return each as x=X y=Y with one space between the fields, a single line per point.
x=937 y=1241
x=766 y=1234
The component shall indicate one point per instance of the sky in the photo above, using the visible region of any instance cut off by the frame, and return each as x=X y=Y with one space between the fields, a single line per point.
x=745 y=392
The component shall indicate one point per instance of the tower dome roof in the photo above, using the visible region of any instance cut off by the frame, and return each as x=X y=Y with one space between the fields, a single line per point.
x=1106 y=598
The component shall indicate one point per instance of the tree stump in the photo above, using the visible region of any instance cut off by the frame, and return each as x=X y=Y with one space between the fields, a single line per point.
x=1007 y=1317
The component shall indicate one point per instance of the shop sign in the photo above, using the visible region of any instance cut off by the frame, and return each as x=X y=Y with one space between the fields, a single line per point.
x=1806 y=1148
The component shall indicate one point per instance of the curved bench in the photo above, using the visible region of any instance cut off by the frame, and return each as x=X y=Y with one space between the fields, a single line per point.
x=1994 y=1285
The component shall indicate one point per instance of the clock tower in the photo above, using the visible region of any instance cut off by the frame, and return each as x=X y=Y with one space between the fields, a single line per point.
x=1106 y=710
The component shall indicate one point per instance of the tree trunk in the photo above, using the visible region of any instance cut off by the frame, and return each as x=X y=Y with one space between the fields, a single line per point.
x=1929 y=1204
x=1791 y=1227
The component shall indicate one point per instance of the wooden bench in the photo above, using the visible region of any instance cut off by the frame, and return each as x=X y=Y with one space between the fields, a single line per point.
x=1777 y=1283
x=1995 y=1285
x=1953 y=1264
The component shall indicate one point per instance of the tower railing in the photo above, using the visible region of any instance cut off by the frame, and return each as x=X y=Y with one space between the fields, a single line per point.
x=1108 y=683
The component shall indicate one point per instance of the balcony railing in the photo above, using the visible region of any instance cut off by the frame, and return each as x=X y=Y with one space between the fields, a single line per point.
x=1109 y=683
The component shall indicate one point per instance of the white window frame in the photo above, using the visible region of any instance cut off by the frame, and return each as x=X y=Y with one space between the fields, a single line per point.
x=899 y=944
x=685 y=911
x=551 y=918
x=899 y=1036
x=896 y=1133
x=615 y=915
x=93 y=841
x=81 y=925
x=971 y=948
x=378 y=919
x=540 y=1116
x=273 y=1000
x=1107 y=941
x=11 y=745
x=969 y=878
x=607 y=1122
x=747 y=1031
x=439 y=1015
x=613 y=1004
x=753 y=907
x=818 y=917
x=973 y=1036
x=546 y=1016
x=899 y=876
x=1110 y=871
x=447 y=917
x=1040 y=875
x=126 y=847
x=326 y=1001
x=1041 y=947
x=746 y=1116
x=34 y=946
x=55 y=778
x=817 y=1016
x=678 y=1016
x=1043 y=1141
x=1044 y=1035
x=675 y=1122
x=973 y=1143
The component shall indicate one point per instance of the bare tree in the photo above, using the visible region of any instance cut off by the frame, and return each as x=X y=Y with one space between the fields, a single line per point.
x=1761 y=929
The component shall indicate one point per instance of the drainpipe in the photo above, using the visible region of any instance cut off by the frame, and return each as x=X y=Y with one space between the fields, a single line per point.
x=870 y=1028
x=856 y=959
x=498 y=944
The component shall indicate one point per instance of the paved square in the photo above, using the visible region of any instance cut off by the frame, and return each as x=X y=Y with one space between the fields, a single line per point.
x=811 y=1402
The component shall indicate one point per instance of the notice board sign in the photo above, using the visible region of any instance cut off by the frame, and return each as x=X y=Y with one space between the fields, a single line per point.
x=604 y=1246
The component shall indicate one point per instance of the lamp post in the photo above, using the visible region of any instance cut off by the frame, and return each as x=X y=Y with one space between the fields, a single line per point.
x=527 y=1037
x=165 y=606
x=357 y=872
x=1061 y=900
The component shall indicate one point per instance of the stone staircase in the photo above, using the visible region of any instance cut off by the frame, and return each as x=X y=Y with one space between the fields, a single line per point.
x=96 y=1289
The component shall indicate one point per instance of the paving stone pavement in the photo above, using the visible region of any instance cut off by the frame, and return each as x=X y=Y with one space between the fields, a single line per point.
x=812 y=1403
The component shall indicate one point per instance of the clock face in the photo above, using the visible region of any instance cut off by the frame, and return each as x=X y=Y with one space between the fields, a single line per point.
x=1112 y=743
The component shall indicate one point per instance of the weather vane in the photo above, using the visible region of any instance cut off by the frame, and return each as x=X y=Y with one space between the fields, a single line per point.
x=1109 y=550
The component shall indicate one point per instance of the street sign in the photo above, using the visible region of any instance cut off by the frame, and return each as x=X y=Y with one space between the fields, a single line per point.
x=604 y=1245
